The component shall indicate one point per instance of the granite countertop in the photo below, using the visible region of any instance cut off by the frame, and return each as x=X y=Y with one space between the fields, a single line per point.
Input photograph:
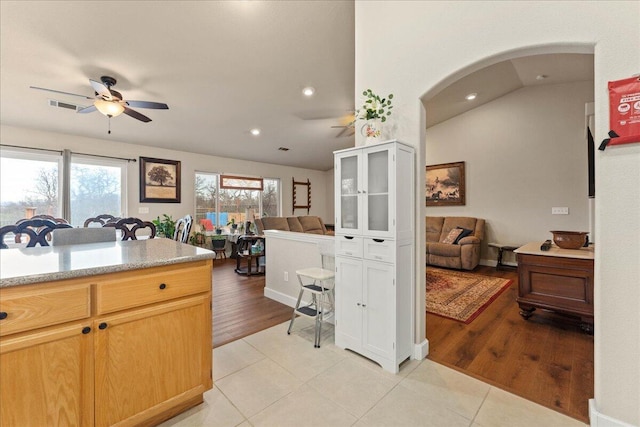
x=21 y=266
x=533 y=248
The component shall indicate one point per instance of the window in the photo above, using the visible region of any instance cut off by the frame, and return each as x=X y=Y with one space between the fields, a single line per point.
x=221 y=199
x=31 y=184
x=97 y=187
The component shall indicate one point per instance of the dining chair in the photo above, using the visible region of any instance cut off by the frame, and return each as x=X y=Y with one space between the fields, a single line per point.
x=18 y=238
x=74 y=236
x=183 y=228
x=36 y=229
x=130 y=226
x=100 y=220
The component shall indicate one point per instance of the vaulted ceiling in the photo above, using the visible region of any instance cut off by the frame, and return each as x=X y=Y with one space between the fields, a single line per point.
x=223 y=67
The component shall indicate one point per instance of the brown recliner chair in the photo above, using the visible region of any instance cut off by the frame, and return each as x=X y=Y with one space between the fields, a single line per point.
x=463 y=254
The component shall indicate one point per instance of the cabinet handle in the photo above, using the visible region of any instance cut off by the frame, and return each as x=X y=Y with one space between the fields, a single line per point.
x=348 y=237
x=103 y=325
x=86 y=330
x=162 y=286
x=378 y=240
x=3 y=315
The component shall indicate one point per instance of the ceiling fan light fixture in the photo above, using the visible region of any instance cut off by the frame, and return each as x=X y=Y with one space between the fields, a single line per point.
x=109 y=108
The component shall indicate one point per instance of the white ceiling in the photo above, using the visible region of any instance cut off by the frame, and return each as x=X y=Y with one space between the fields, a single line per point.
x=504 y=77
x=223 y=67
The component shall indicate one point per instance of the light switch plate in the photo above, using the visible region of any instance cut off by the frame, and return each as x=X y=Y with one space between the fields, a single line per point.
x=559 y=211
x=142 y=210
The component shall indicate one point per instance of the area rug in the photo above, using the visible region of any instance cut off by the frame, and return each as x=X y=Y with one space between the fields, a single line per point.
x=460 y=295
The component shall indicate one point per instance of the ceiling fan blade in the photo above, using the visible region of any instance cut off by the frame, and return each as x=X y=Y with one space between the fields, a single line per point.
x=101 y=90
x=133 y=113
x=89 y=109
x=64 y=93
x=148 y=104
x=344 y=129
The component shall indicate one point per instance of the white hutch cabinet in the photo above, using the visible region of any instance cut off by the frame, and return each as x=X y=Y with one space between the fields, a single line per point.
x=374 y=227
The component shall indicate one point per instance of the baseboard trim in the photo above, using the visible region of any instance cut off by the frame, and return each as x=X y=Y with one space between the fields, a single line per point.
x=280 y=297
x=598 y=419
x=421 y=350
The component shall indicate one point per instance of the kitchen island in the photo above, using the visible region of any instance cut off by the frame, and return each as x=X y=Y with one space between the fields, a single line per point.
x=104 y=333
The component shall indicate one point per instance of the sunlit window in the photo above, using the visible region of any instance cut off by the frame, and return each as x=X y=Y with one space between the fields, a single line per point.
x=219 y=205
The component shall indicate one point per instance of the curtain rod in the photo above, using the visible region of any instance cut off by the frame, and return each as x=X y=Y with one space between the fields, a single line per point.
x=72 y=152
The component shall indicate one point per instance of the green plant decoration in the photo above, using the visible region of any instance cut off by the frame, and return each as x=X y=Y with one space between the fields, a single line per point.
x=165 y=227
x=375 y=107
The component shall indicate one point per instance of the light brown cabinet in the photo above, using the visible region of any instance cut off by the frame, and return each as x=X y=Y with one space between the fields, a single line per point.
x=141 y=355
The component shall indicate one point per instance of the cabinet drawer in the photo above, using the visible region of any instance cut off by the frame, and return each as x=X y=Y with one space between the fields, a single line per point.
x=140 y=287
x=349 y=246
x=38 y=306
x=380 y=250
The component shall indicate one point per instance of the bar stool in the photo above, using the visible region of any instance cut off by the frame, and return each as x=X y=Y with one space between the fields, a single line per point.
x=319 y=283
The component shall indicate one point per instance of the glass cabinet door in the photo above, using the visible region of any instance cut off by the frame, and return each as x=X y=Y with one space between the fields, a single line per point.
x=349 y=192
x=377 y=192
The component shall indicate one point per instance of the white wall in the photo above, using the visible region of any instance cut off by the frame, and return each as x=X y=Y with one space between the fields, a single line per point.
x=190 y=163
x=413 y=49
x=524 y=153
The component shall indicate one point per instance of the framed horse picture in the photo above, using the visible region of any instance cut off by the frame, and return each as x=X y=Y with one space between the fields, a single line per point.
x=445 y=184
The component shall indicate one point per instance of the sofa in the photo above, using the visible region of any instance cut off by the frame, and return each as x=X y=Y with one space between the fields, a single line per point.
x=301 y=224
x=454 y=241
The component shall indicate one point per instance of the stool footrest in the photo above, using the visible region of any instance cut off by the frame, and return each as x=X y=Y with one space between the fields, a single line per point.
x=315 y=288
x=307 y=311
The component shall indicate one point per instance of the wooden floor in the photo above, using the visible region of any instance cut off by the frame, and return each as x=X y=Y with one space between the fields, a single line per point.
x=239 y=305
x=546 y=359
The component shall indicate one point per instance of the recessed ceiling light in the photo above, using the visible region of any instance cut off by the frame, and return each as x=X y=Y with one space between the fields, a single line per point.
x=308 y=91
x=471 y=96
x=255 y=131
x=541 y=76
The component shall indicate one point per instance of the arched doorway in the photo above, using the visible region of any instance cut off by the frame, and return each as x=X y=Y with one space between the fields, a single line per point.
x=474 y=357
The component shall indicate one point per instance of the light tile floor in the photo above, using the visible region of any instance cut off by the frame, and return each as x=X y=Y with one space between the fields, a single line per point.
x=273 y=379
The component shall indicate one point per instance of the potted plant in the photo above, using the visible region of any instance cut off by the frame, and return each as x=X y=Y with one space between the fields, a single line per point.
x=198 y=238
x=375 y=111
x=218 y=230
x=218 y=241
x=165 y=227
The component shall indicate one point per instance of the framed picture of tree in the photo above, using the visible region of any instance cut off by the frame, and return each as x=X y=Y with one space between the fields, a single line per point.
x=159 y=180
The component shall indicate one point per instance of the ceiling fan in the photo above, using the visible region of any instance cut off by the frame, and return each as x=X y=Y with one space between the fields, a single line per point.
x=347 y=124
x=110 y=102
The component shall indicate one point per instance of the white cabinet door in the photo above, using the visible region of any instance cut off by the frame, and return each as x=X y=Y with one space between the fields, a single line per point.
x=378 y=171
x=379 y=308
x=348 y=185
x=349 y=302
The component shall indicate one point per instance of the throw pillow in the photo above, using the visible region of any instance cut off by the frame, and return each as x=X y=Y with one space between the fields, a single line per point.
x=465 y=232
x=452 y=236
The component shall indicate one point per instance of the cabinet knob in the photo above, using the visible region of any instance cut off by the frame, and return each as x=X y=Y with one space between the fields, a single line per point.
x=358 y=304
x=162 y=285
x=103 y=325
x=364 y=305
x=86 y=330
x=3 y=315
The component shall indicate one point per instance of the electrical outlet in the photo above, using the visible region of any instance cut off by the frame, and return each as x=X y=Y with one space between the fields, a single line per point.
x=142 y=210
x=559 y=211
x=286 y=276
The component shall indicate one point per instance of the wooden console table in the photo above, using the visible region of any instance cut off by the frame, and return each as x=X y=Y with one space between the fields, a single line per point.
x=560 y=280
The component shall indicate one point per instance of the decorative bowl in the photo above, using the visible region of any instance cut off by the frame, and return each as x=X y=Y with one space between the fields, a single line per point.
x=569 y=239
